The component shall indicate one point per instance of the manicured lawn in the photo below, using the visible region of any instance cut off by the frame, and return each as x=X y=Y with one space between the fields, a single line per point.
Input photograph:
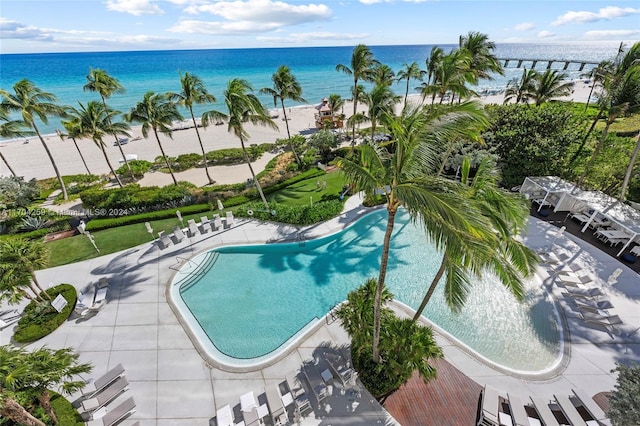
x=78 y=248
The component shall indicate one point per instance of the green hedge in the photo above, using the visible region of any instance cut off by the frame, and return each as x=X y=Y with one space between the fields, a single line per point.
x=295 y=215
x=67 y=415
x=39 y=321
x=112 y=222
x=133 y=198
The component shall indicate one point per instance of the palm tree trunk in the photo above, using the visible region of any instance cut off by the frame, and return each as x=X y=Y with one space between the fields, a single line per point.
x=204 y=154
x=11 y=409
x=166 y=160
x=355 y=110
x=35 y=281
x=586 y=137
x=8 y=166
x=596 y=151
x=627 y=175
x=431 y=289
x=45 y=402
x=53 y=163
x=133 y=178
x=286 y=122
x=255 y=179
x=106 y=157
x=81 y=156
x=406 y=94
x=384 y=262
x=593 y=85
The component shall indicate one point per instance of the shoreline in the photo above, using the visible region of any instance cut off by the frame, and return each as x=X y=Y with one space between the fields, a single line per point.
x=30 y=160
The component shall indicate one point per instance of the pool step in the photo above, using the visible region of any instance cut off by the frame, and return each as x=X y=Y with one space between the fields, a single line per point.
x=202 y=268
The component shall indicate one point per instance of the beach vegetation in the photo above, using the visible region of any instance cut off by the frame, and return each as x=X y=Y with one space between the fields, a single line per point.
x=33 y=103
x=520 y=90
x=19 y=260
x=624 y=401
x=193 y=93
x=380 y=101
x=550 y=85
x=73 y=126
x=285 y=87
x=26 y=378
x=324 y=142
x=15 y=192
x=405 y=346
x=41 y=319
x=138 y=167
x=294 y=214
x=484 y=63
x=100 y=82
x=11 y=129
x=408 y=72
x=383 y=75
x=244 y=106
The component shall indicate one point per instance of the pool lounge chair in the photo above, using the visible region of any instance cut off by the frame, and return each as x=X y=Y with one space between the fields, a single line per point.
x=569 y=410
x=177 y=235
x=4 y=323
x=592 y=305
x=518 y=413
x=103 y=381
x=544 y=412
x=115 y=415
x=252 y=413
x=609 y=322
x=163 y=240
x=297 y=394
x=340 y=367
x=276 y=405
x=584 y=293
x=582 y=399
x=316 y=382
x=205 y=225
x=106 y=395
x=217 y=222
x=229 y=219
x=192 y=230
x=489 y=407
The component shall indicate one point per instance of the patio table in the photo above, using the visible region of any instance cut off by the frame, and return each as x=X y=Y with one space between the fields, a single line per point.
x=610 y=234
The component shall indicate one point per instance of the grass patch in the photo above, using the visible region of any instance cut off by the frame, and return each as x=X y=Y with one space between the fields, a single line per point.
x=301 y=193
x=41 y=319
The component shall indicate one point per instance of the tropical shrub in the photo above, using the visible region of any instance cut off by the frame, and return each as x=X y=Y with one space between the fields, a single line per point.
x=16 y=192
x=138 y=167
x=134 y=199
x=295 y=215
x=66 y=414
x=186 y=161
x=41 y=319
x=624 y=401
x=324 y=141
x=113 y=222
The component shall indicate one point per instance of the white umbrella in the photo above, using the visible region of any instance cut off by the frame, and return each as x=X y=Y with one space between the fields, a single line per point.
x=613 y=278
x=220 y=206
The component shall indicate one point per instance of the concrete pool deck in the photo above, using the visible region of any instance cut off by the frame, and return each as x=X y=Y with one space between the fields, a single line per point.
x=173 y=385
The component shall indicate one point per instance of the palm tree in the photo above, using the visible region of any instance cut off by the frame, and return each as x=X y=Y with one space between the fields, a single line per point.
x=73 y=126
x=97 y=121
x=404 y=177
x=450 y=76
x=19 y=259
x=380 y=102
x=99 y=81
x=521 y=89
x=383 y=74
x=194 y=92
x=13 y=372
x=243 y=107
x=510 y=260
x=362 y=63
x=483 y=60
x=285 y=86
x=550 y=85
x=156 y=112
x=33 y=103
x=11 y=129
x=409 y=71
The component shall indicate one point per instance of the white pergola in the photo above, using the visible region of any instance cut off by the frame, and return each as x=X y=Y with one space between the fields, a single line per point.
x=567 y=197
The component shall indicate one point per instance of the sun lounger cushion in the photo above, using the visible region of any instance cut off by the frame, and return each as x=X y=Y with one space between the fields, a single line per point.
x=115 y=415
x=103 y=381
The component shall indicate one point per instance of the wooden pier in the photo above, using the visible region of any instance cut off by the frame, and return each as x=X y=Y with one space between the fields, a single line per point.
x=517 y=62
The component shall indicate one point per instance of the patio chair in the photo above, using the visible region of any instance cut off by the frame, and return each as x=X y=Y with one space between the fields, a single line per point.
x=298 y=396
x=106 y=395
x=192 y=230
x=518 y=413
x=340 y=367
x=276 y=405
x=103 y=381
x=568 y=278
x=217 y=222
x=115 y=415
x=316 y=382
x=177 y=235
x=609 y=322
x=229 y=219
x=489 y=407
x=544 y=412
x=594 y=410
x=584 y=293
x=224 y=417
x=252 y=413
x=592 y=305
x=163 y=241
x=205 y=225
x=85 y=299
x=569 y=410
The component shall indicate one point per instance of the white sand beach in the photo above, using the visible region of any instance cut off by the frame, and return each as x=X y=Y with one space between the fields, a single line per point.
x=30 y=160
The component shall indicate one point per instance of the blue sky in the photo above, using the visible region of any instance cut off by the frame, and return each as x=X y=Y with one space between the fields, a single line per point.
x=111 y=25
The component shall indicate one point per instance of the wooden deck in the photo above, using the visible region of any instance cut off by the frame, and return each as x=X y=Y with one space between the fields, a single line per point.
x=449 y=400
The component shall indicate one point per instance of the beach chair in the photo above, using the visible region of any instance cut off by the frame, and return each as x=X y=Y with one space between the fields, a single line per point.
x=103 y=381
x=106 y=395
x=609 y=322
x=252 y=413
x=296 y=394
x=584 y=293
x=115 y=415
x=592 y=305
x=569 y=410
x=163 y=240
x=489 y=407
x=573 y=280
x=205 y=225
x=177 y=235
x=544 y=411
x=276 y=405
x=217 y=222
x=316 y=382
x=85 y=299
x=192 y=230
x=340 y=367
x=594 y=410
x=518 y=413
x=229 y=219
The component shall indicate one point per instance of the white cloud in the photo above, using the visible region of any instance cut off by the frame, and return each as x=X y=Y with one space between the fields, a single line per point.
x=606 y=13
x=18 y=31
x=612 y=34
x=313 y=36
x=392 y=1
x=134 y=7
x=524 y=26
x=546 y=34
x=221 y=28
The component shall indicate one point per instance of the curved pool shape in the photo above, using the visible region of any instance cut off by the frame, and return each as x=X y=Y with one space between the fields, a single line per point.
x=250 y=300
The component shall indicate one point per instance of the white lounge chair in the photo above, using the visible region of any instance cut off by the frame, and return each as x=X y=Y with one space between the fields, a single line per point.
x=609 y=322
x=489 y=413
x=163 y=241
x=296 y=394
x=224 y=417
x=518 y=413
x=569 y=410
x=205 y=225
x=217 y=222
x=4 y=323
x=106 y=395
x=584 y=293
x=115 y=415
x=544 y=412
x=276 y=405
x=177 y=235
x=229 y=219
x=192 y=229
x=588 y=305
x=589 y=404
x=251 y=412
x=103 y=381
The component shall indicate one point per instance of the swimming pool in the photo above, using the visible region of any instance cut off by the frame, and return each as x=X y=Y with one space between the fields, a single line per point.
x=250 y=300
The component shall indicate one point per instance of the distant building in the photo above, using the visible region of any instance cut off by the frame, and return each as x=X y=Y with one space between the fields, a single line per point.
x=326 y=119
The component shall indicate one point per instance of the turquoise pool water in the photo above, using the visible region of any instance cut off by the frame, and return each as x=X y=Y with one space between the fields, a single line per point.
x=250 y=299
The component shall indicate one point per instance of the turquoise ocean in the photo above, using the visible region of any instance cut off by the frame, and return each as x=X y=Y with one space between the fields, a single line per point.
x=64 y=74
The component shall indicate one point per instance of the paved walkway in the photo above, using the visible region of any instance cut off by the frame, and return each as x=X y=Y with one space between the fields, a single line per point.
x=173 y=385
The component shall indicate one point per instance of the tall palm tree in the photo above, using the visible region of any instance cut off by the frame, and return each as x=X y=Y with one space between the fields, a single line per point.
x=194 y=93
x=20 y=258
x=156 y=112
x=11 y=129
x=99 y=81
x=243 y=107
x=73 y=126
x=13 y=372
x=95 y=122
x=483 y=61
x=550 y=85
x=362 y=64
x=33 y=103
x=450 y=77
x=285 y=86
x=383 y=74
x=381 y=102
x=335 y=103
x=409 y=71
x=521 y=89
x=510 y=260
x=406 y=178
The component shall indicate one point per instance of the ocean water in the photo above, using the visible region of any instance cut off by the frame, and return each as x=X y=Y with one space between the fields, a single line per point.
x=64 y=74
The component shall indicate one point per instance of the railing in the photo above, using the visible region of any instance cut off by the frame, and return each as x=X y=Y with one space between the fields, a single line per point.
x=199 y=271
